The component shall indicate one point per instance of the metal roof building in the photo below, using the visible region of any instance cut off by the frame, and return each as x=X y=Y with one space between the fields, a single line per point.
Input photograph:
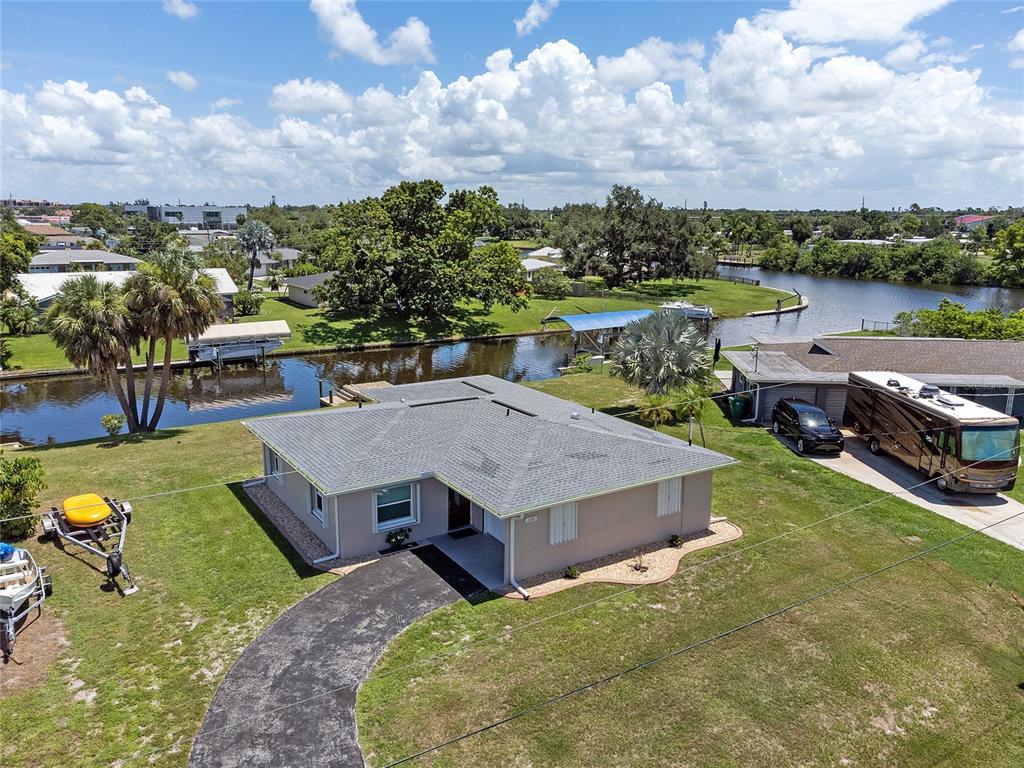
x=595 y=332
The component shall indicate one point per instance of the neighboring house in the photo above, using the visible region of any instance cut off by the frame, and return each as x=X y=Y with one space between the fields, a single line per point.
x=816 y=370
x=300 y=289
x=44 y=287
x=191 y=216
x=45 y=230
x=532 y=266
x=70 y=242
x=970 y=222
x=286 y=257
x=547 y=252
x=547 y=482
x=87 y=261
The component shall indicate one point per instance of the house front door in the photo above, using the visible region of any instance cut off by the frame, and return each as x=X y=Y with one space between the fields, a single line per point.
x=458 y=510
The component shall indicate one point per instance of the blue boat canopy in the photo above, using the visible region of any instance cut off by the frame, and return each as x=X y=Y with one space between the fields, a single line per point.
x=600 y=321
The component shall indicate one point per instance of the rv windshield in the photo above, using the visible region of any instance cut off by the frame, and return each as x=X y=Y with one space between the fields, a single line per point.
x=988 y=443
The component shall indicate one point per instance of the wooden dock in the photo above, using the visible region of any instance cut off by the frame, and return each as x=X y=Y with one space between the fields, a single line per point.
x=350 y=393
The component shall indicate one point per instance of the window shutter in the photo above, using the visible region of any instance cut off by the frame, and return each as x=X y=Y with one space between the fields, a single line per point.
x=670 y=496
x=563 y=522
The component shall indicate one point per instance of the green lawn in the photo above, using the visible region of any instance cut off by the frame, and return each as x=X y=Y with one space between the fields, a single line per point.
x=917 y=667
x=212 y=574
x=313 y=328
x=816 y=686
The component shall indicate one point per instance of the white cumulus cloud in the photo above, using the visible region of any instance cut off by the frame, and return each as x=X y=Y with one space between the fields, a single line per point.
x=350 y=34
x=225 y=102
x=182 y=79
x=309 y=95
x=183 y=9
x=762 y=120
x=538 y=12
x=833 y=21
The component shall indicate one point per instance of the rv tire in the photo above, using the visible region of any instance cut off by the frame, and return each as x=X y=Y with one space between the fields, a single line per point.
x=874 y=446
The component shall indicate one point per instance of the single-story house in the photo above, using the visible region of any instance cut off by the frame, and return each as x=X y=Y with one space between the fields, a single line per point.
x=44 y=287
x=532 y=266
x=44 y=229
x=286 y=258
x=971 y=221
x=547 y=252
x=546 y=482
x=70 y=242
x=300 y=289
x=816 y=370
x=87 y=261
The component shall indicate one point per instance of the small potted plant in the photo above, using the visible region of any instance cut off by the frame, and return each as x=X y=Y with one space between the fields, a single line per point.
x=398 y=537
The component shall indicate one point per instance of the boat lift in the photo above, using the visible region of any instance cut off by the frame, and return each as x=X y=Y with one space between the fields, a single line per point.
x=91 y=523
x=595 y=332
x=231 y=342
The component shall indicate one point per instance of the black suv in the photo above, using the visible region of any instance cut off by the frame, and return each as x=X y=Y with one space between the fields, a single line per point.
x=807 y=424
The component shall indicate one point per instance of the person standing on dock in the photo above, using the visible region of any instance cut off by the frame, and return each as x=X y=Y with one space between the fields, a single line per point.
x=778 y=305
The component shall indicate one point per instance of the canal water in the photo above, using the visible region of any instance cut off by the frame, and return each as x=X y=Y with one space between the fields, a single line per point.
x=58 y=410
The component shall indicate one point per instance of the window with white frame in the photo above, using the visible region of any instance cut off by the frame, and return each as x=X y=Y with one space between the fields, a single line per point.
x=395 y=506
x=316 y=503
x=563 y=523
x=670 y=496
x=274 y=462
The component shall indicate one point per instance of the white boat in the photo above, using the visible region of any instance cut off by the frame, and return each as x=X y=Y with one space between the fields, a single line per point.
x=23 y=586
x=687 y=309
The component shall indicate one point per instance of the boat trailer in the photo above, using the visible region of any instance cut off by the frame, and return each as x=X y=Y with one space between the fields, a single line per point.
x=97 y=525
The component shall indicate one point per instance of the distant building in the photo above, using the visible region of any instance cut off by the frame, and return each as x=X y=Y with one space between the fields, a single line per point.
x=532 y=266
x=547 y=252
x=85 y=261
x=44 y=287
x=300 y=289
x=44 y=229
x=970 y=222
x=190 y=216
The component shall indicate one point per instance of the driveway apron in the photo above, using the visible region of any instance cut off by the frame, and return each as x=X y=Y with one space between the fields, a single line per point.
x=289 y=700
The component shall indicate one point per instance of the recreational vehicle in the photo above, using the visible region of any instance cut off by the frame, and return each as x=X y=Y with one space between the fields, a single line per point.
x=964 y=445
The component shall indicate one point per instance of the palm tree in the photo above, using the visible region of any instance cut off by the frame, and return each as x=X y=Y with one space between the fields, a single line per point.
x=172 y=298
x=89 y=322
x=690 y=399
x=660 y=353
x=255 y=237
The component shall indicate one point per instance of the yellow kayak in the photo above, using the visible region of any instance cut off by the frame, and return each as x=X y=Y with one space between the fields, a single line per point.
x=86 y=510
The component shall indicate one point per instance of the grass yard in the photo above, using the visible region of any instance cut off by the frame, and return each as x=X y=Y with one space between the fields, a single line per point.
x=313 y=328
x=916 y=667
x=920 y=666
x=138 y=672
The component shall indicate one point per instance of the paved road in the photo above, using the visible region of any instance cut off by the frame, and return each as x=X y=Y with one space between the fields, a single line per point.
x=888 y=474
x=332 y=638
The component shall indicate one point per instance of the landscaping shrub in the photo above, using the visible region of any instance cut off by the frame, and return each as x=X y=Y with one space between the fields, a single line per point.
x=5 y=353
x=113 y=423
x=248 y=303
x=301 y=269
x=581 y=364
x=594 y=283
x=675 y=540
x=21 y=480
x=572 y=572
x=551 y=284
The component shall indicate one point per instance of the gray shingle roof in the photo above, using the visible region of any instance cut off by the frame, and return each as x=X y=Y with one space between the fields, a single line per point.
x=509 y=448
x=48 y=258
x=308 y=282
x=830 y=358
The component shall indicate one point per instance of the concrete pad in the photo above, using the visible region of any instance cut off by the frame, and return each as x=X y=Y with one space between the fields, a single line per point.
x=891 y=475
x=481 y=554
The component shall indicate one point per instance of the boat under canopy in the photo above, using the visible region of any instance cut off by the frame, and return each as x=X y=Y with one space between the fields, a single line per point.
x=229 y=342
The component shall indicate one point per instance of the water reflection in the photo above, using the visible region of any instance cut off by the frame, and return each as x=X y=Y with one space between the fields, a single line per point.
x=60 y=410
x=70 y=409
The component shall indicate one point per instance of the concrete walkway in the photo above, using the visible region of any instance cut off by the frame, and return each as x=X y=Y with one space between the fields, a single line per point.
x=890 y=475
x=328 y=641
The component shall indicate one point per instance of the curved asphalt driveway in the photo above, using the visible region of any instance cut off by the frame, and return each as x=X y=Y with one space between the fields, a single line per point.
x=330 y=639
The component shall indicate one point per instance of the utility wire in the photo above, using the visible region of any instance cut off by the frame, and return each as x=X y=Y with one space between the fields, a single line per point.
x=691 y=401
x=509 y=631
x=547 y=703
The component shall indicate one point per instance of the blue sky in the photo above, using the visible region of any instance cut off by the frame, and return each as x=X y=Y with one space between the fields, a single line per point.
x=755 y=104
